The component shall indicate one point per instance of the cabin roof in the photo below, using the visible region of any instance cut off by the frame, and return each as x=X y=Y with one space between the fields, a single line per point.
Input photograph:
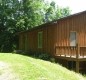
x=52 y=22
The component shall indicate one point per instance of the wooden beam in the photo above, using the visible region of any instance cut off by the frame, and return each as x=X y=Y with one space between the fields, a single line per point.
x=77 y=66
x=77 y=51
x=66 y=58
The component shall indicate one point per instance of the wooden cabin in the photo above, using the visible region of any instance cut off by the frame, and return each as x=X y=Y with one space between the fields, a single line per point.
x=65 y=39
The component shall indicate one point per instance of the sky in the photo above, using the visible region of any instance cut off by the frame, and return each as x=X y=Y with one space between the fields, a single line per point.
x=75 y=5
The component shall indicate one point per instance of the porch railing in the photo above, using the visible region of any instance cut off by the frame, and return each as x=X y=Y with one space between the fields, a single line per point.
x=67 y=51
x=83 y=51
x=71 y=51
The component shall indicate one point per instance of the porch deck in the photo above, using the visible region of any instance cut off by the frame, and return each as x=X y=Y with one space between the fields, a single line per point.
x=71 y=52
x=79 y=57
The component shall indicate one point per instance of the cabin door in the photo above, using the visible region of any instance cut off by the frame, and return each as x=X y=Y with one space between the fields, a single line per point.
x=72 y=38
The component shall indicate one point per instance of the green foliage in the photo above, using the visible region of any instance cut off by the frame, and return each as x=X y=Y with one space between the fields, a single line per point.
x=32 y=13
x=21 y=15
x=54 y=12
x=8 y=29
x=62 y=12
x=44 y=56
x=40 y=55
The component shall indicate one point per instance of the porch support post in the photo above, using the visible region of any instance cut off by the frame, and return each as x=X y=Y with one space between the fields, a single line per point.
x=77 y=51
x=77 y=66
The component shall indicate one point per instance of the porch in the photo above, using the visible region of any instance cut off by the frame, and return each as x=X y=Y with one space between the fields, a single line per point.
x=72 y=53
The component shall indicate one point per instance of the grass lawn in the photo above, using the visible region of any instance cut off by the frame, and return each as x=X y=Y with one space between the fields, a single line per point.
x=28 y=68
x=1 y=72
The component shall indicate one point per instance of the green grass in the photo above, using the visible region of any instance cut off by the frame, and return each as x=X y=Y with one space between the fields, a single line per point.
x=35 y=69
x=1 y=71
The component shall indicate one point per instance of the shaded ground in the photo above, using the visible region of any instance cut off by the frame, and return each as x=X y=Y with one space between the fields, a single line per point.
x=6 y=72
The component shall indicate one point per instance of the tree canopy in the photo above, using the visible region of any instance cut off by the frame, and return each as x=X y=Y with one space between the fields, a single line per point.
x=20 y=15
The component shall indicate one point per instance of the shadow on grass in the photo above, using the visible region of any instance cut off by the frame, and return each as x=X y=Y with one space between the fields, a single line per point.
x=37 y=55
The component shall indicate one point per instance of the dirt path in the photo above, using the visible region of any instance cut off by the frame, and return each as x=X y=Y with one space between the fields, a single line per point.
x=6 y=72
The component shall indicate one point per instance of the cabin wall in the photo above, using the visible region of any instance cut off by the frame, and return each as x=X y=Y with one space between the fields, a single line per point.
x=76 y=24
x=57 y=34
x=20 y=42
x=51 y=38
x=32 y=41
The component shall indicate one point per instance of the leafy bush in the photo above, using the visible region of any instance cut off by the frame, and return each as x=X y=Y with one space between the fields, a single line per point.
x=40 y=55
x=44 y=56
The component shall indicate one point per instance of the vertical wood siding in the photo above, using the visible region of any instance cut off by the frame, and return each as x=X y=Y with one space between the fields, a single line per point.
x=57 y=34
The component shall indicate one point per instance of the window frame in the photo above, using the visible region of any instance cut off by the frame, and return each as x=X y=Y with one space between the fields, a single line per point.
x=40 y=39
x=76 y=38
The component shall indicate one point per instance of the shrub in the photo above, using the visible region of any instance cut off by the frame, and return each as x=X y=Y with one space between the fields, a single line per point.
x=44 y=56
x=40 y=55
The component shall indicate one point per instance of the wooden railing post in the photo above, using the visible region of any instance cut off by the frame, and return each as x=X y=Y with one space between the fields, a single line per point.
x=78 y=51
x=77 y=60
x=68 y=51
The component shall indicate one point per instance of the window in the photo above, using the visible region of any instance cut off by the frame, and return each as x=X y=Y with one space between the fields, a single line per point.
x=26 y=42
x=72 y=38
x=40 y=39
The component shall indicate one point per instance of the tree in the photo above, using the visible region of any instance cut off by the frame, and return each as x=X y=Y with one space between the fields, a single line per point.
x=17 y=16
x=21 y=15
x=62 y=12
x=53 y=12
x=32 y=14
x=8 y=16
